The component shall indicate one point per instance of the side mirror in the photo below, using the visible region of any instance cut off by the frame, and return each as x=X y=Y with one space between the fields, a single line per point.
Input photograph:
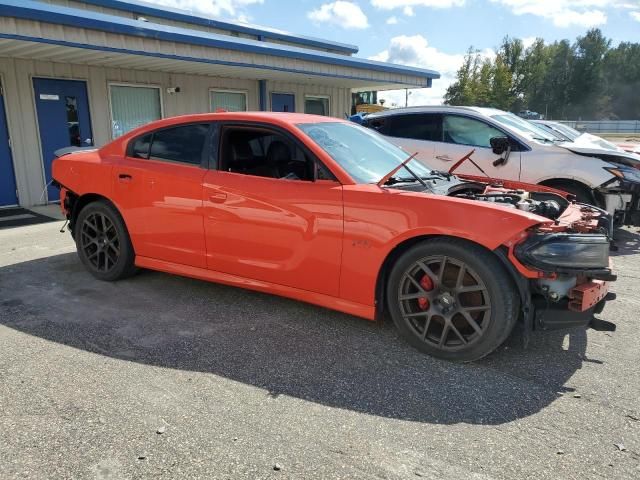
x=499 y=145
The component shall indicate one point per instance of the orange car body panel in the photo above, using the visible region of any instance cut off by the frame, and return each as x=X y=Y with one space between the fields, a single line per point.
x=321 y=242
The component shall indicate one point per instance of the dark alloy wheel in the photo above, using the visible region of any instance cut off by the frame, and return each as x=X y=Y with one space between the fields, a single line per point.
x=452 y=299
x=445 y=302
x=99 y=242
x=103 y=242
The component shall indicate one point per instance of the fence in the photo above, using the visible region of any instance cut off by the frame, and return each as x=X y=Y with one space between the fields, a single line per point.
x=606 y=126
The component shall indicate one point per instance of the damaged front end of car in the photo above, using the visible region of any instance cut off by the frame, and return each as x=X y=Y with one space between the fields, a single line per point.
x=562 y=266
x=621 y=195
x=563 y=271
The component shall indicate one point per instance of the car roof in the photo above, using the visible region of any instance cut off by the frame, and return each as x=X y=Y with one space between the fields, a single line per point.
x=545 y=122
x=268 y=117
x=282 y=119
x=485 y=111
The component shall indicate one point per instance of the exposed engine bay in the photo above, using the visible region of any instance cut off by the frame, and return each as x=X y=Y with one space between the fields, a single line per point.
x=544 y=204
x=568 y=215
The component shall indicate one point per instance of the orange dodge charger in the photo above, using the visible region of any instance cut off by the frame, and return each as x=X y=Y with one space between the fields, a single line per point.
x=328 y=212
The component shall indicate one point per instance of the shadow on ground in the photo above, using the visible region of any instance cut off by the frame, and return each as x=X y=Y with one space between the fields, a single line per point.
x=282 y=346
x=628 y=242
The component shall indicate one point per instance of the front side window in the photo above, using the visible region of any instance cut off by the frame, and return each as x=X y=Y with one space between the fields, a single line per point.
x=316 y=105
x=132 y=107
x=262 y=152
x=364 y=154
x=468 y=131
x=416 y=126
x=227 y=101
x=182 y=144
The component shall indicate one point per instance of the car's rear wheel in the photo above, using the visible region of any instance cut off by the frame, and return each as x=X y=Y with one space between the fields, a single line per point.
x=452 y=299
x=103 y=242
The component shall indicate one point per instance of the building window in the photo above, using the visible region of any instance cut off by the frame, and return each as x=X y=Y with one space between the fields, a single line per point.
x=132 y=107
x=228 y=101
x=316 y=105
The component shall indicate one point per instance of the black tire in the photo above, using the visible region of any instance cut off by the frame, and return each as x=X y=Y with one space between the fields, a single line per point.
x=475 y=313
x=583 y=194
x=103 y=242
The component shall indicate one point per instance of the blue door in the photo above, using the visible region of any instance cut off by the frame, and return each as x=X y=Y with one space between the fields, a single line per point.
x=283 y=102
x=7 y=178
x=63 y=120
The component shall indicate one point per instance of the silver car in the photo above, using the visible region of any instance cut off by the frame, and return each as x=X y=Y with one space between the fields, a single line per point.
x=442 y=135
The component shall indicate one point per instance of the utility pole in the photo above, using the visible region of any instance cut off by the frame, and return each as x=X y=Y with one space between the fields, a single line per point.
x=406 y=97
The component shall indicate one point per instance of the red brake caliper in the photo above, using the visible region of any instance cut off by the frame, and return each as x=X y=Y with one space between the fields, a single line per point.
x=427 y=284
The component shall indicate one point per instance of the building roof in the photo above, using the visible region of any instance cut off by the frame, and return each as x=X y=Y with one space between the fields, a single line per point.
x=175 y=14
x=72 y=17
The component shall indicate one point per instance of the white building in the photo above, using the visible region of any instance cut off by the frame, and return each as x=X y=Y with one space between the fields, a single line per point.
x=84 y=72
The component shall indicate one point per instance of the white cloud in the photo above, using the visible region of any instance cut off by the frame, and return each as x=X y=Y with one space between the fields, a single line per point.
x=392 y=20
x=415 y=51
x=214 y=8
x=408 y=4
x=341 y=13
x=528 y=41
x=408 y=11
x=635 y=15
x=563 y=13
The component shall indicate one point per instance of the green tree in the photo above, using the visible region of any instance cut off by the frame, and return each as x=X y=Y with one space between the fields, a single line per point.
x=622 y=80
x=587 y=79
x=587 y=93
x=461 y=92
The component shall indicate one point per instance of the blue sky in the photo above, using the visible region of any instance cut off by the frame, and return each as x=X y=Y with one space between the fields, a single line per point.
x=429 y=33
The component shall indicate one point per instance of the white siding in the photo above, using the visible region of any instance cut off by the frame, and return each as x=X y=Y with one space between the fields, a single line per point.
x=339 y=98
x=18 y=74
x=267 y=63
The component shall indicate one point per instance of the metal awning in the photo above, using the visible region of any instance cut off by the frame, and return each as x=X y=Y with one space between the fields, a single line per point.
x=35 y=30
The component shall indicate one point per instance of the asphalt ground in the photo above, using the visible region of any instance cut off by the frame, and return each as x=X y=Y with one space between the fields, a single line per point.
x=166 y=377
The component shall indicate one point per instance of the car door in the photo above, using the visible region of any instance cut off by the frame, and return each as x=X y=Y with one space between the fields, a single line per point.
x=159 y=185
x=414 y=132
x=272 y=212
x=461 y=134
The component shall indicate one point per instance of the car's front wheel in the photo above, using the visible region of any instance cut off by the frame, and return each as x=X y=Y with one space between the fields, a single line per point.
x=103 y=242
x=452 y=299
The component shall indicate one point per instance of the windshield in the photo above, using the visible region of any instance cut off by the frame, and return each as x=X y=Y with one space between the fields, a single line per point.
x=523 y=126
x=566 y=130
x=361 y=152
x=553 y=131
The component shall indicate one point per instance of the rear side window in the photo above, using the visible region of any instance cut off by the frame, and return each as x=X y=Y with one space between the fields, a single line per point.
x=179 y=144
x=416 y=126
x=140 y=147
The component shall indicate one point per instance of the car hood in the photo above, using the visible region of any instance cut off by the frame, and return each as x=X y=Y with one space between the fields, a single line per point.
x=609 y=155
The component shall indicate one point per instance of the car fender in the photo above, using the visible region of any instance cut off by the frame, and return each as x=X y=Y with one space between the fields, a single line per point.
x=553 y=163
x=379 y=220
x=83 y=173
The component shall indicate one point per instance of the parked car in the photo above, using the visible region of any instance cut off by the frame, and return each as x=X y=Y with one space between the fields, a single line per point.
x=630 y=145
x=569 y=134
x=442 y=135
x=328 y=212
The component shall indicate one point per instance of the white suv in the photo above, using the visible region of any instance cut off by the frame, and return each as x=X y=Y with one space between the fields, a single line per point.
x=443 y=135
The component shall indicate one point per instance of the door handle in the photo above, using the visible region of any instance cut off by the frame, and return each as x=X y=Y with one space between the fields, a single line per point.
x=218 y=198
x=444 y=158
x=125 y=177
